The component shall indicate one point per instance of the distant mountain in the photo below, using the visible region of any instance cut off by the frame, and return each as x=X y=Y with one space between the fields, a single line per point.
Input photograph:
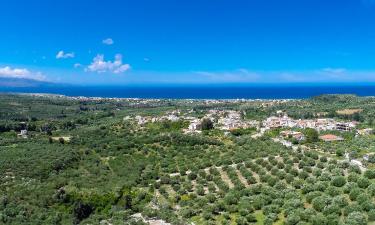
x=22 y=83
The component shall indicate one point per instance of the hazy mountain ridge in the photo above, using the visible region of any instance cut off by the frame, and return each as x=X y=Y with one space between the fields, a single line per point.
x=22 y=82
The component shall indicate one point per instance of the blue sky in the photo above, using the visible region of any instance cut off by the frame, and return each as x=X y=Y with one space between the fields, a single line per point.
x=188 y=42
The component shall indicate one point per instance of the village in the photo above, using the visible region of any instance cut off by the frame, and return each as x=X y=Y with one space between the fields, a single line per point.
x=291 y=131
x=228 y=120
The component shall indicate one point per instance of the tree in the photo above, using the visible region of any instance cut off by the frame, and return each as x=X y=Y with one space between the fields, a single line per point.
x=292 y=219
x=200 y=190
x=341 y=201
x=81 y=211
x=363 y=182
x=371 y=158
x=357 y=117
x=318 y=219
x=370 y=174
x=340 y=152
x=207 y=124
x=354 y=193
x=371 y=189
x=311 y=135
x=332 y=209
x=241 y=220
x=61 y=140
x=354 y=207
x=333 y=219
x=207 y=215
x=251 y=218
x=371 y=215
x=319 y=203
x=356 y=218
x=338 y=181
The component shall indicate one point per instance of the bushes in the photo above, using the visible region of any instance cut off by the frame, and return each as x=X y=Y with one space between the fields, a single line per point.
x=371 y=215
x=371 y=190
x=363 y=182
x=292 y=219
x=241 y=220
x=36 y=161
x=320 y=202
x=312 y=195
x=332 y=209
x=356 y=218
x=370 y=174
x=340 y=200
x=338 y=181
x=81 y=211
x=200 y=190
x=354 y=193
x=207 y=124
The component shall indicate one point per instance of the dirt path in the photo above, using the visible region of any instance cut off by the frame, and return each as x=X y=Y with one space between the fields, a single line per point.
x=225 y=178
x=242 y=179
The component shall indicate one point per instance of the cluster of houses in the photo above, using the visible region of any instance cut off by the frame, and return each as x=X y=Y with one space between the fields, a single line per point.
x=223 y=119
x=366 y=131
x=142 y=120
x=230 y=120
x=227 y=120
x=299 y=136
x=321 y=124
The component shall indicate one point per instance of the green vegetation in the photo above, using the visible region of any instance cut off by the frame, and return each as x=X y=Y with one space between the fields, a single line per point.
x=85 y=162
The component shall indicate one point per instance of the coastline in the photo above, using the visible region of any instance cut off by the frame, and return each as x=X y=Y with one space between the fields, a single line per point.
x=196 y=93
x=98 y=98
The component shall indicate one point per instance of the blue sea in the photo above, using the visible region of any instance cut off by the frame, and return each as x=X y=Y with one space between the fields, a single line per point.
x=201 y=92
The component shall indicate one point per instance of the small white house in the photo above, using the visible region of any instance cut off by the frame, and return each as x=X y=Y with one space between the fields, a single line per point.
x=23 y=134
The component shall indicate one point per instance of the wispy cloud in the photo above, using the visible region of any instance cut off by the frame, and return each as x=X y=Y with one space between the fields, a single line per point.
x=239 y=75
x=334 y=70
x=328 y=75
x=20 y=73
x=108 y=41
x=63 y=55
x=99 y=65
x=324 y=75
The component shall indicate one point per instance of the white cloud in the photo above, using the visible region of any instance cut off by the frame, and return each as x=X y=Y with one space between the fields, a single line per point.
x=334 y=70
x=99 y=65
x=63 y=55
x=326 y=75
x=108 y=41
x=20 y=73
x=77 y=65
x=239 y=75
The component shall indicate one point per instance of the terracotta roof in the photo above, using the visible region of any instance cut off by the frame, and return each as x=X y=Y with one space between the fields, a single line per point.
x=331 y=137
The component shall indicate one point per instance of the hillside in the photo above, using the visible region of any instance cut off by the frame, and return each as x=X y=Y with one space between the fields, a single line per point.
x=113 y=161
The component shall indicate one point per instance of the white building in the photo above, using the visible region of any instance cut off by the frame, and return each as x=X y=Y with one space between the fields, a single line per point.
x=23 y=134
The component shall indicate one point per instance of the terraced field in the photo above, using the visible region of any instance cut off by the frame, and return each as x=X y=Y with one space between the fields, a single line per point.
x=290 y=187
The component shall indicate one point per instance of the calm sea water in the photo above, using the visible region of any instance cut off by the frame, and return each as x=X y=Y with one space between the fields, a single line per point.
x=254 y=92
